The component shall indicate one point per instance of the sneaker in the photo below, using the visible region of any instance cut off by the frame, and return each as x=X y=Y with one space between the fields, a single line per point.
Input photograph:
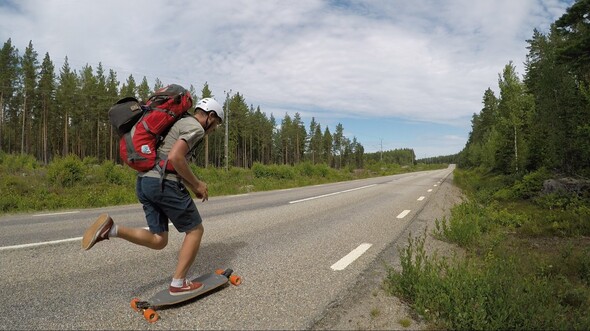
x=98 y=231
x=188 y=287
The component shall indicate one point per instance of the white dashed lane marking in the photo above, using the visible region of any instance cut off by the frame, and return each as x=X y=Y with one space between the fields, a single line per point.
x=403 y=213
x=350 y=257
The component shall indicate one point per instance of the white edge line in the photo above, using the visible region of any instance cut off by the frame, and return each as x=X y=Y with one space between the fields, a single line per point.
x=403 y=213
x=45 y=243
x=350 y=257
x=5 y=248
x=330 y=194
x=55 y=214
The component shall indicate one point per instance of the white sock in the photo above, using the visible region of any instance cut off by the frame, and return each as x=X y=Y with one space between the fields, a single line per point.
x=177 y=282
x=113 y=231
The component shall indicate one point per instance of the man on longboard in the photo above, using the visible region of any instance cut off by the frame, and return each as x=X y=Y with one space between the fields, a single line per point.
x=169 y=199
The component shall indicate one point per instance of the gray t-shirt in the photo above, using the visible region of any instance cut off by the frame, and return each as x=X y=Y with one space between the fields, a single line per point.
x=187 y=129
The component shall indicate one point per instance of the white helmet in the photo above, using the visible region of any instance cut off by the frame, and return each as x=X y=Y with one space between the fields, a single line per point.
x=210 y=104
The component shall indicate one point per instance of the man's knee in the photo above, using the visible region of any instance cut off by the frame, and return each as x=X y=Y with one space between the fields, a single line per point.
x=159 y=242
x=199 y=229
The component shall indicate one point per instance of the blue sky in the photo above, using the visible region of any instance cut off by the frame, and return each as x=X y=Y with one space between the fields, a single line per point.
x=397 y=74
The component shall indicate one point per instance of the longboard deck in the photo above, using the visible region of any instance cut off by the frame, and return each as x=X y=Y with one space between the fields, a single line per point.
x=163 y=298
x=210 y=282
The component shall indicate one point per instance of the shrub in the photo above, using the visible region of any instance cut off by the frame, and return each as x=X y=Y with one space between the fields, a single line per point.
x=116 y=174
x=558 y=200
x=273 y=171
x=66 y=172
x=8 y=202
x=495 y=293
x=13 y=163
x=468 y=221
x=531 y=184
x=90 y=161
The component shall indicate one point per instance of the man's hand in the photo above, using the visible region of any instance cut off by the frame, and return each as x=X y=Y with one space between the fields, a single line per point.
x=201 y=191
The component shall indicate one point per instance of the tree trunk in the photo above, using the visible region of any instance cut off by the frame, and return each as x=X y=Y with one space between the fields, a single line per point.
x=515 y=149
x=245 y=156
x=1 y=119
x=206 y=151
x=111 y=144
x=98 y=140
x=22 y=138
x=66 y=143
x=45 y=138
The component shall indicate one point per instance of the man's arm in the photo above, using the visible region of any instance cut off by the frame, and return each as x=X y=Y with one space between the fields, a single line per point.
x=177 y=157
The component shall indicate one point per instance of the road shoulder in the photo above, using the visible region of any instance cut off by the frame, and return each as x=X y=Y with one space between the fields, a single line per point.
x=367 y=306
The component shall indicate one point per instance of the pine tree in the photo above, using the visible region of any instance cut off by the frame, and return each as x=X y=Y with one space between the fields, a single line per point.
x=67 y=90
x=327 y=143
x=30 y=66
x=46 y=94
x=338 y=144
x=112 y=93
x=143 y=90
x=9 y=61
x=103 y=102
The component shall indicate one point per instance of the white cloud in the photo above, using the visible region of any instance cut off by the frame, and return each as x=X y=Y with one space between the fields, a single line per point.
x=421 y=60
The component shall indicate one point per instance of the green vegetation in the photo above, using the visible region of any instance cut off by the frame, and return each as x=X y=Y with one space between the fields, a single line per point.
x=375 y=312
x=542 y=120
x=405 y=322
x=528 y=266
x=72 y=182
x=527 y=240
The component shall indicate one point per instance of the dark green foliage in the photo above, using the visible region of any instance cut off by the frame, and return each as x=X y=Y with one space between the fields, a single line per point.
x=66 y=172
x=541 y=121
x=17 y=163
x=404 y=157
x=273 y=171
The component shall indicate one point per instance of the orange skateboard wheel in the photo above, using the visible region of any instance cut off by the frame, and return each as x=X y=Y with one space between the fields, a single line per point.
x=151 y=315
x=219 y=271
x=134 y=304
x=235 y=280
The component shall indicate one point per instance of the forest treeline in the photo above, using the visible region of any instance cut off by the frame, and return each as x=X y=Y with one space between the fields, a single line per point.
x=51 y=115
x=543 y=119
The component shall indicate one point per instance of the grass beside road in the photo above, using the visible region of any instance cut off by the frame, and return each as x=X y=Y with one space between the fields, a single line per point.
x=528 y=261
x=70 y=182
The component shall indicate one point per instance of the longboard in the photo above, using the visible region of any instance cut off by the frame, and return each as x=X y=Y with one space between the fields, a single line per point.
x=163 y=298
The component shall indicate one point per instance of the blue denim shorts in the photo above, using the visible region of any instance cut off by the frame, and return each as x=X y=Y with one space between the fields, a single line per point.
x=174 y=202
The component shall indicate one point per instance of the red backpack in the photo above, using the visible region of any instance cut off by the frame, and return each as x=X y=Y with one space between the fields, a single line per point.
x=142 y=128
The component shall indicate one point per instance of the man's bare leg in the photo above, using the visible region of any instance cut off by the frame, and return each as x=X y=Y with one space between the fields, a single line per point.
x=188 y=251
x=143 y=237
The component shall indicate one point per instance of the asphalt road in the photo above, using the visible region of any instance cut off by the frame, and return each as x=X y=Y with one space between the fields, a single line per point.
x=297 y=251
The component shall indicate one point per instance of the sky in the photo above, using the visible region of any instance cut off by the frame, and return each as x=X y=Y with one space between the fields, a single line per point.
x=394 y=73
